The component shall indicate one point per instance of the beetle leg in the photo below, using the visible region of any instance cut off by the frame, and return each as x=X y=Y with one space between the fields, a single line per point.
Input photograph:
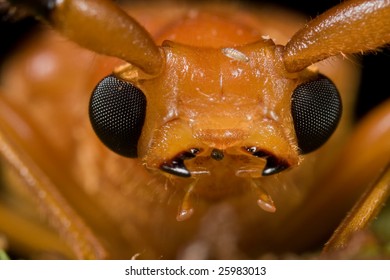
x=77 y=235
x=102 y=27
x=373 y=132
x=14 y=224
x=363 y=213
x=363 y=157
x=365 y=22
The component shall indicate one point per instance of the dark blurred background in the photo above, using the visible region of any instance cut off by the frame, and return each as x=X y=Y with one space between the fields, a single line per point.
x=374 y=84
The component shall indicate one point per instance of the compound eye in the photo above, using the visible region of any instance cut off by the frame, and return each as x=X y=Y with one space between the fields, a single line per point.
x=117 y=113
x=316 y=110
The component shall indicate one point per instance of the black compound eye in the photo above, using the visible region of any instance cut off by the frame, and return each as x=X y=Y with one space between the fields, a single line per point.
x=316 y=110
x=117 y=113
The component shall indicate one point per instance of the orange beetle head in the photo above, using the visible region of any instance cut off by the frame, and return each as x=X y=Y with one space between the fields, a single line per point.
x=219 y=104
x=220 y=115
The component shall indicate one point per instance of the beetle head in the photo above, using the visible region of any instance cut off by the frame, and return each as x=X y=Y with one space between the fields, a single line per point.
x=235 y=101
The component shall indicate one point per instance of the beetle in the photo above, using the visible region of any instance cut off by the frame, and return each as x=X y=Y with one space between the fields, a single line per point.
x=211 y=144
